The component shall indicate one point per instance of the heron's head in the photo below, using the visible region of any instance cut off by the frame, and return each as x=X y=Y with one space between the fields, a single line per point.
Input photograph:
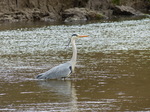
x=76 y=36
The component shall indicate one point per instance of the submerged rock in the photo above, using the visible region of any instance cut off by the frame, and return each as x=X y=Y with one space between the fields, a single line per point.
x=81 y=14
x=125 y=10
x=13 y=16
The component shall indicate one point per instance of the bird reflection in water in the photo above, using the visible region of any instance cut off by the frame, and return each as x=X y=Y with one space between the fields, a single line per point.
x=64 y=90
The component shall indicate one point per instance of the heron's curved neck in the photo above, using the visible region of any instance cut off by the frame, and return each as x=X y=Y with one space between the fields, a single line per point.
x=74 y=55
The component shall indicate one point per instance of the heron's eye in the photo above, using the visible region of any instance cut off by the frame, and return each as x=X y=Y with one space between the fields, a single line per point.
x=74 y=35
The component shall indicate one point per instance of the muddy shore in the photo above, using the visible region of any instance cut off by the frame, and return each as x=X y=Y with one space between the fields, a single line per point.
x=70 y=10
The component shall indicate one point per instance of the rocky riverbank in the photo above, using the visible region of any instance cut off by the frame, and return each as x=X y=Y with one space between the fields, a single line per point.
x=70 y=10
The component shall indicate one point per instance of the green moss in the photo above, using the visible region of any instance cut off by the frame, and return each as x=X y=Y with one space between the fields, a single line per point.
x=99 y=16
x=117 y=2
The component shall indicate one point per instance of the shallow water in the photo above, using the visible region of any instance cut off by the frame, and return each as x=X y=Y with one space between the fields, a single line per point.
x=112 y=71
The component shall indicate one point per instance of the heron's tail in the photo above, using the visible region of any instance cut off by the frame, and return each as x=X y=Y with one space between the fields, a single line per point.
x=39 y=76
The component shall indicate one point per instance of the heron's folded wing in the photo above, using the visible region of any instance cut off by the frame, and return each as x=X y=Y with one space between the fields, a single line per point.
x=57 y=72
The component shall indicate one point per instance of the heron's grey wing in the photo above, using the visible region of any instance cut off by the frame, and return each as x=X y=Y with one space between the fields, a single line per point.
x=58 y=72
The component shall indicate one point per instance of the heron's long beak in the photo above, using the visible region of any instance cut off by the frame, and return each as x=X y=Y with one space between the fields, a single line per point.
x=80 y=36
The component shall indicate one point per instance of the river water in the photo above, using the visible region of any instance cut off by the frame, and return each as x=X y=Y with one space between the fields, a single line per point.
x=112 y=72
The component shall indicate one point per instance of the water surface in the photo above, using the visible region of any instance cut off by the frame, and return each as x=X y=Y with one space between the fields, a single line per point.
x=112 y=71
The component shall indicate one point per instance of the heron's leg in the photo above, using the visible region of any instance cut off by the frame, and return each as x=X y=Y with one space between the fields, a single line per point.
x=63 y=78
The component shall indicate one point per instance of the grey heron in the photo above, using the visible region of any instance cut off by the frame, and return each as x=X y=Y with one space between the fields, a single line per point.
x=63 y=70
